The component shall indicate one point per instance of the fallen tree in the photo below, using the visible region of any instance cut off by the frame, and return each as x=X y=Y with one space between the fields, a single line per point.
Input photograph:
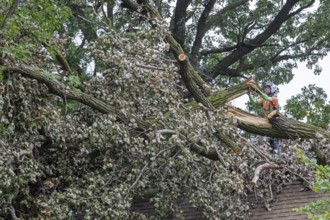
x=148 y=122
x=280 y=127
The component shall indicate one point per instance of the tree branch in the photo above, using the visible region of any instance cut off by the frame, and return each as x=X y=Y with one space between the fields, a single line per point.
x=301 y=9
x=201 y=30
x=217 y=50
x=10 y=14
x=252 y=44
x=191 y=85
x=179 y=28
x=62 y=91
x=261 y=168
x=61 y=59
x=224 y=10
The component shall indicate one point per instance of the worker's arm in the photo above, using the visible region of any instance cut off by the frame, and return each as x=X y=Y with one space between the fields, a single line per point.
x=266 y=97
x=257 y=101
x=253 y=100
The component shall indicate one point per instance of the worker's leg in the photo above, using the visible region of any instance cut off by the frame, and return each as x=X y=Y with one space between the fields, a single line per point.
x=275 y=145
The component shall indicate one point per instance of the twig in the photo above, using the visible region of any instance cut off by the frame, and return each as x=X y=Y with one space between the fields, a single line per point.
x=143 y=169
x=262 y=167
x=11 y=206
x=261 y=154
x=85 y=19
x=138 y=178
x=220 y=158
x=150 y=67
x=296 y=174
x=270 y=189
x=163 y=131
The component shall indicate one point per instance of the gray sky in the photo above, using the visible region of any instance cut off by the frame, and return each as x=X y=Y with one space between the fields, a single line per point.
x=302 y=77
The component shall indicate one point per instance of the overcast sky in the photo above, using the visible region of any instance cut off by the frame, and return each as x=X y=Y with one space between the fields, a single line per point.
x=302 y=77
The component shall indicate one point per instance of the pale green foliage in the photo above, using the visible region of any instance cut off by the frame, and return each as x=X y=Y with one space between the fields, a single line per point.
x=310 y=105
x=37 y=20
x=318 y=210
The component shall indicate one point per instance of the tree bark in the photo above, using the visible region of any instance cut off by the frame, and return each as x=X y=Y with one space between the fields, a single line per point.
x=179 y=23
x=201 y=30
x=10 y=14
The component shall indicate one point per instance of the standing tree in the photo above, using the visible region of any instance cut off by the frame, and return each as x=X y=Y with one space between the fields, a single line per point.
x=105 y=101
x=311 y=105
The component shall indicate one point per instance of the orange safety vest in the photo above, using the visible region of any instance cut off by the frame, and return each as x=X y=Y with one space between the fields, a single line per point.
x=269 y=106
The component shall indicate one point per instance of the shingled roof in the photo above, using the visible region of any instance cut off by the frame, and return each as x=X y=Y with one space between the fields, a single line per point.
x=292 y=196
x=188 y=212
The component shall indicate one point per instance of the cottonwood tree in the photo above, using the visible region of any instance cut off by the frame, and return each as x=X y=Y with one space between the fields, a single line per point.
x=103 y=102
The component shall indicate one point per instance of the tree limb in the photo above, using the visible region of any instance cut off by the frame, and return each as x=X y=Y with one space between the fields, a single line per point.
x=217 y=50
x=10 y=14
x=179 y=27
x=61 y=59
x=252 y=44
x=201 y=30
x=224 y=10
x=261 y=168
x=192 y=87
x=11 y=206
x=61 y=90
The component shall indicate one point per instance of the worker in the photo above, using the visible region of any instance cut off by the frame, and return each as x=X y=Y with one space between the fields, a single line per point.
x=270 y=105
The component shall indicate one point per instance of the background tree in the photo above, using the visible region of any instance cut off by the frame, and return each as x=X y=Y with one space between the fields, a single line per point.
x=320 y=209
x=311 y=105
x=106 y=101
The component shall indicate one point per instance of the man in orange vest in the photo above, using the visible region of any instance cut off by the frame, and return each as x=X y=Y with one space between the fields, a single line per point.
x=270 y=105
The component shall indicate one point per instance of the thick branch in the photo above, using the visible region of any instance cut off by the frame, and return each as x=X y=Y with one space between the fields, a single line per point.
x=180 y=14
x=280 y=127
x=10 y=14
x=261 y=168
x=191 y=85
x=273 y=27
x=177 y=50
x=60 y=90
x=217 y=50
x=60 y=58
x=229 y=94
x=201 y=30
